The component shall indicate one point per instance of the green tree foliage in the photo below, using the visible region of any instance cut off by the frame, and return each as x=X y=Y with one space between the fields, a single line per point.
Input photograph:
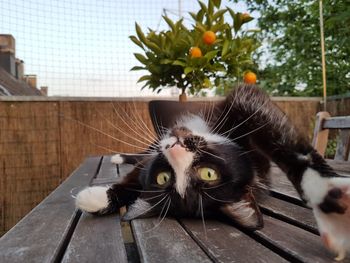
x=291 y=36
x=166 y=55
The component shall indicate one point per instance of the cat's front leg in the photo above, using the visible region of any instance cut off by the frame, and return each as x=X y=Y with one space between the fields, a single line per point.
x=329 y=198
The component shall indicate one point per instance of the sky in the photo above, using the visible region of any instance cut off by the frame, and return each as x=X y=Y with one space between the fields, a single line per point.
x=81 y=47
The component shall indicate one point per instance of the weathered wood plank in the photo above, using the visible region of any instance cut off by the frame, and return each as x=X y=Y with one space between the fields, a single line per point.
x=96 y=239
x=109 y=173
x=320 y=138
x=340 y=166
x=107 y=169
x=301 y=245
x=281 y=185
x=342 y=151
x=286 y=211
x=337 y=123
x=168 y=242
x=40 y=235
x=224 y=243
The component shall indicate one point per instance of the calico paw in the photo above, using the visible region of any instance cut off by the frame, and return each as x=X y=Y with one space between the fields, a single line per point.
x=92 y=199
x=330 y=199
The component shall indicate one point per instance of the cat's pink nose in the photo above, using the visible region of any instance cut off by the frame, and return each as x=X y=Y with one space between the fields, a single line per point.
x=176 y=151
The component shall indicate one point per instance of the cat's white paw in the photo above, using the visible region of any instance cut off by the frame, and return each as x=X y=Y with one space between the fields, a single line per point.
x=92 y=199
x=117 y=159
x=330 y=200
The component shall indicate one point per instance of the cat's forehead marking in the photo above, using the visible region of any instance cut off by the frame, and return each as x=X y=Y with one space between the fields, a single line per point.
x=180 y=160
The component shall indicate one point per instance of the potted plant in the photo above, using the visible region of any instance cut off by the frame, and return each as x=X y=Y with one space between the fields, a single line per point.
x=211 y=53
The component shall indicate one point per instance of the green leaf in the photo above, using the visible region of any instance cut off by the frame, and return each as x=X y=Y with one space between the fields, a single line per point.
x=166 y=61
x=179 y=63
x=188 y=70
x=211 y=54
x=219 y=14
x=203 y=6
x=207 y=83
x=143 y=78
x=136 y=41
x=153 y=47
x=141 y=58
x=140 y=33
x=170 y=23
x=193 y=15
x=200 y=27
x=137 y=68
x=225 y=47
x=217 y=3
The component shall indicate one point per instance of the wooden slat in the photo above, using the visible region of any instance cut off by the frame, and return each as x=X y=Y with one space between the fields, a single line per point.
x=340 y=166
x=282 y=186
x=289 y=212
x=337 y=123
x=169 y=242
x=301 y=245
x=40 y=236
x=320 y=138
x=109 y=173
x=224 y=243
x=342 y=151
x=96 y=239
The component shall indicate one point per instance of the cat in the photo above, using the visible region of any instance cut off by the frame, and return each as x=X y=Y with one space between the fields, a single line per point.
x=209 y=164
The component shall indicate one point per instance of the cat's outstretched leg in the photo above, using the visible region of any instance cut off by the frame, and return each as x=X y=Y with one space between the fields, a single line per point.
x=328 y=194
x=255 y=119
x=108 y=199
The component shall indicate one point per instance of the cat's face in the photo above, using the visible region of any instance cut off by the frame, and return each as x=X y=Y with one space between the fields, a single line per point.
x=196 y=172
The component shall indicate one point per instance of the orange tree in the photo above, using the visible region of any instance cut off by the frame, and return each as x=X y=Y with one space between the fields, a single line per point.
x=211 y=53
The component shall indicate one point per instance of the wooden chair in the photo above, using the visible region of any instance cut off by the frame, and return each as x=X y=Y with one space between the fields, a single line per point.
x=324 y=122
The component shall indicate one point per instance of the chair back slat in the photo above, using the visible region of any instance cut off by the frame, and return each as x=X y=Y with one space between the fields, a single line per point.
x=342 y=151
x=324 y=122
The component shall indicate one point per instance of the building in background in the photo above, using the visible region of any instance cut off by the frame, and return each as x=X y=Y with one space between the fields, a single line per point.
x=13 y=81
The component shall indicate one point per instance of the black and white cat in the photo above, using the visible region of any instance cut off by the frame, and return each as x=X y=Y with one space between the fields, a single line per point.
x=203 y=166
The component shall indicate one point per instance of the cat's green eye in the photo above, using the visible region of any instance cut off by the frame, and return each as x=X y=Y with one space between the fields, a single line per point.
x=207 y=174
x=163 y=178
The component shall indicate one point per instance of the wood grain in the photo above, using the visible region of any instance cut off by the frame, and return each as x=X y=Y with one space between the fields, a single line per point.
x=33 y=238
x=169 y=242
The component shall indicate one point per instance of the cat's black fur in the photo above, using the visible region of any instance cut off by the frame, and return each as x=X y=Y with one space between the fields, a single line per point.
x=256 y=132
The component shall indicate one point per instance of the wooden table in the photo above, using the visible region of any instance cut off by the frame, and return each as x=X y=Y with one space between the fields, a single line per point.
x=55 y=231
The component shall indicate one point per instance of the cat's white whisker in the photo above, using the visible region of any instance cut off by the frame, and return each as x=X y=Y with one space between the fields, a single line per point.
x=121 y=130
x=203 y=151
x=241 y=136
x=104 y=133
x=223 y=119
x=161 y=218
x=202 y=214
x=154 y=197
x=247 y=119
x=217 y=186
x=218 y=200
x=138 y=117
x=145 y=191
x=150 y=208
x=135 y=129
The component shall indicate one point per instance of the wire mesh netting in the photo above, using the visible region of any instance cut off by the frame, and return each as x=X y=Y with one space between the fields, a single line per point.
x=81 y=48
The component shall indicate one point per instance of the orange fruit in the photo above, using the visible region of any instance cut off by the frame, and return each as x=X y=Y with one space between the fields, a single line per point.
x=249 y=78
x=195 y=52
x=209 y=37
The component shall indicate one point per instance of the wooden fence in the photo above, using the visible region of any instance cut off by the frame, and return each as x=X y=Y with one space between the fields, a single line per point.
x=42 y=140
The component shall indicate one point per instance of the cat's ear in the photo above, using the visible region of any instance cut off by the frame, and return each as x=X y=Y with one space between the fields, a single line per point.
x=244 y=212
x=140 y=208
